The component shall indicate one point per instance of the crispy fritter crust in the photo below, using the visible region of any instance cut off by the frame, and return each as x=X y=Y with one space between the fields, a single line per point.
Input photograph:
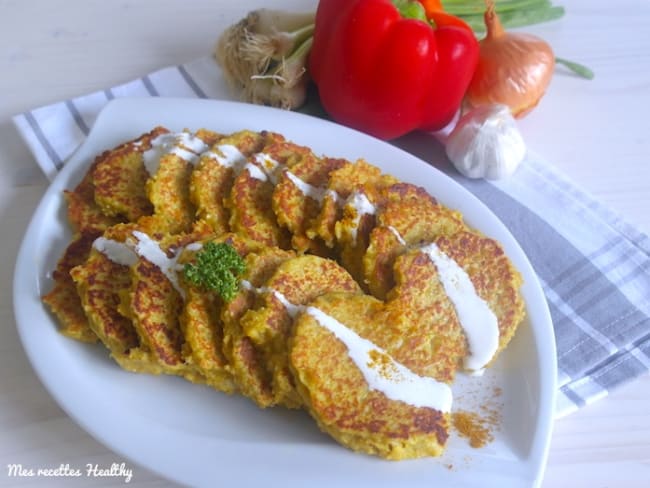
x=313 y=231
x=269 y=324
x=245 y=359
x=337 y=395
x=119 y=177
x=211 y=182
x=63 y=299
x=408 y=212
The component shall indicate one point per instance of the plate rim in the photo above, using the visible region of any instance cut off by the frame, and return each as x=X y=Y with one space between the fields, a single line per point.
x=544 y=336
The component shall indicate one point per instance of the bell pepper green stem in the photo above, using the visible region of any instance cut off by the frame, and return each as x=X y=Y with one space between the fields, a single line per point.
x=411 y=9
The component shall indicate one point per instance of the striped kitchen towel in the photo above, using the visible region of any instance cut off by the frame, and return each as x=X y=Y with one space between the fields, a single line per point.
x=593 y=266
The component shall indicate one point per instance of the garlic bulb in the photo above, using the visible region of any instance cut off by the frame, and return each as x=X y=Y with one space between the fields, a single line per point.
x=486 y=143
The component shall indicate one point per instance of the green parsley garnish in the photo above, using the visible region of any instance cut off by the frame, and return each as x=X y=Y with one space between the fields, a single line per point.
x=216 y=269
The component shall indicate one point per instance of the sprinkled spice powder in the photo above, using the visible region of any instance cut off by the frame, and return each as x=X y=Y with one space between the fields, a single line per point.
x=382 y=362
x=474 y=427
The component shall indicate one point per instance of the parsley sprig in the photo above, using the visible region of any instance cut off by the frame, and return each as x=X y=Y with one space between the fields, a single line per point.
x=216 y=269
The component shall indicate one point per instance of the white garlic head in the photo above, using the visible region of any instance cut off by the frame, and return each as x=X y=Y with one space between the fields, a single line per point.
x=486 y=143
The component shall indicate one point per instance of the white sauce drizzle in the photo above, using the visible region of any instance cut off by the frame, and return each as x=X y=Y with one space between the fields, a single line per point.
x=194 y=246
x=388 y=376
x=392 y=378
x=338 y=200
x=362 y=206
x=265 y=168
x=126 y=254
x=184 y=154
x=269 y=166
x=479 y=322
x=291 y=308
x=150 y=250
x=192 y=142
x=118 y=252
x=256 y=172
x=315 y=192
x=396 y=233
x=249 y=286
x=226 y=155
x=183 y=144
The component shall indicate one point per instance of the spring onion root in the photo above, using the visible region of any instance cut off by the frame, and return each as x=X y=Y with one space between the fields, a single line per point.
x=283 y=86
x=264 y=55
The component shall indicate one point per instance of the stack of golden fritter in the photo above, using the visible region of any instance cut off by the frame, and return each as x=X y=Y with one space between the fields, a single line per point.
x=315 y=233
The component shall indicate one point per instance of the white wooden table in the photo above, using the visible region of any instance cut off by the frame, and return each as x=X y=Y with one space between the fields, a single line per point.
x=596 y=132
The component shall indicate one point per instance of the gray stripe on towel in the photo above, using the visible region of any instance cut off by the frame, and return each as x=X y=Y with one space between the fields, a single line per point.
x=191 y=82
x=146 y=81
x=38 y=132
x=629 y=363
x=577 y=351
x=77 y=117
x=580 y=280
x=573 y=396
x=585 y=261
x=604 y=306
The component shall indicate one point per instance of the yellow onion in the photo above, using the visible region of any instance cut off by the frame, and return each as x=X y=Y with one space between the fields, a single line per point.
x=514 y=69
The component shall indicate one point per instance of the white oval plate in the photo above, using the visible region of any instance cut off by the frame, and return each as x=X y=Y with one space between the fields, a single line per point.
x=197 y=436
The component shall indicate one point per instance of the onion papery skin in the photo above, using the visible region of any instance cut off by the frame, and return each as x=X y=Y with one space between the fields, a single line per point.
x=513 y=70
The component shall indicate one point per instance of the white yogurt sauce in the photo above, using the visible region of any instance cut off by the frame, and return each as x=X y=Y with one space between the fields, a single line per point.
x=194 y=247
x=269 y=166
x=291 y=308
x=183 y=144
x=150 y=250
x=126 y=254
x=118 y=252
x=388 y=376
x=184 y=154
x=191 y=142
x=315 y=192
x=226 y=155
x=338 y=200
x=362 y=206
x=256 y=172
x=266 y=168
x=396 y=233
x=478 y=321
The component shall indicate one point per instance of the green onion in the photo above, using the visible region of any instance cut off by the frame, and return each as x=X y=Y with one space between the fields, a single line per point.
x=517 y=18
x=579 y=69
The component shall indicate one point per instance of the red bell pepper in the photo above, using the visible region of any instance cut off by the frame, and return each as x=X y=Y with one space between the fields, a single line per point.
x=382 y=71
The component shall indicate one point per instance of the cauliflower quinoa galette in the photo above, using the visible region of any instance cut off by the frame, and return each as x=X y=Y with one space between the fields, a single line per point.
x=248 y=263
